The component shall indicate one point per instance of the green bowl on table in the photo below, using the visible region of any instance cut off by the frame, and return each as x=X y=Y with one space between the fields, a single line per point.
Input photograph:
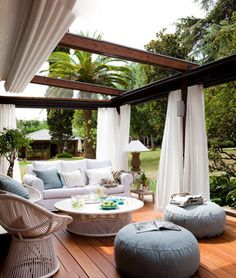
x=109 y=205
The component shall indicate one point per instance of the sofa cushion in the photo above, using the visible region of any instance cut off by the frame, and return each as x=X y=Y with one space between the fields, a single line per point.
x=68 y=192
x=50 y=178
x=65 y=192
x=14 y=187
x=96 y=175
x=44 y=165
x=114 y=190
x=72 y=179
x=98 y=163
x=69 y=166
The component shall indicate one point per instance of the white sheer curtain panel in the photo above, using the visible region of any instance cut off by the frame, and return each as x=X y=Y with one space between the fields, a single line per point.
x=170 y=175
x=8 y=120
x=113 y=136
x=33 y=31
x=196 y=172
x=106 y=134
x=122 y=141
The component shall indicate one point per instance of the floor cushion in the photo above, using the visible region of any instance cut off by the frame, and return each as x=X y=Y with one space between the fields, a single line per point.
x=162 y=254
x=204 y=221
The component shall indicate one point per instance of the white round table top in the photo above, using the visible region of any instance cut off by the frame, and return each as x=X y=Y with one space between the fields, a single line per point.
x=130 y=204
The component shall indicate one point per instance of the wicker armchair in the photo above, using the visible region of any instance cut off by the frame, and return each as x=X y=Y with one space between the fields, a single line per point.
x=31 y=252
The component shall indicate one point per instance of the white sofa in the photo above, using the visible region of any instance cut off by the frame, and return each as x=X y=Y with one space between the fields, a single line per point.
x=86 y=167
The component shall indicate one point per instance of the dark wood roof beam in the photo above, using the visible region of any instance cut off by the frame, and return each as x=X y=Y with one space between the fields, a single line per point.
x=75 y=85
x=123 y=52
x=62 y=103
x=214 y=73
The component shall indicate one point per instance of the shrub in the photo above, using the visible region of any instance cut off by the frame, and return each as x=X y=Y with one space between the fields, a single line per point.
x=223 y=190
x=64 y=155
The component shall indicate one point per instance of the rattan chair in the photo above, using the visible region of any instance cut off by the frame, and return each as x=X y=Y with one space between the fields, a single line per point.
x=31 y=253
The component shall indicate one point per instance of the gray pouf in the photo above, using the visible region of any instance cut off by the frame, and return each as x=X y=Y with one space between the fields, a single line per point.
x=206 y=220
x=162 y=254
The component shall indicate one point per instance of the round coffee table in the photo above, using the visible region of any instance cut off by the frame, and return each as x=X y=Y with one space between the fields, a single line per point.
x=92 y=220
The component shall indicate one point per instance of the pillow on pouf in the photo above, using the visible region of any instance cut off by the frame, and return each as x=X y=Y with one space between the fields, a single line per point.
x=72 y=179
x=50 y=178
x=14 y=187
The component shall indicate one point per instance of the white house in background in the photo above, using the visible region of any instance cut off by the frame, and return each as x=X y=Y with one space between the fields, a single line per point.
x=44 y=148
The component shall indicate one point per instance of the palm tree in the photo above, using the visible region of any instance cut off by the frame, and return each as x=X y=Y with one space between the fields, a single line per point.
x=90 y=68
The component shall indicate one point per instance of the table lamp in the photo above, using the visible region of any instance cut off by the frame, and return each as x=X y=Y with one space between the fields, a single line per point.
x=135 y=147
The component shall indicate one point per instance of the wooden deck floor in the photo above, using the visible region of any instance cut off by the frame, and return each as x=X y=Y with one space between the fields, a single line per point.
x=94 y=257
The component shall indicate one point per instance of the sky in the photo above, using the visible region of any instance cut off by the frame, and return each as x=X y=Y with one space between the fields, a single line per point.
x=127 y=22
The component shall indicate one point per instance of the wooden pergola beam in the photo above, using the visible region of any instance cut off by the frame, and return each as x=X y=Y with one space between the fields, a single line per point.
x=75 y=85
x=60 y=103
x=212 y=74
x=124 y=52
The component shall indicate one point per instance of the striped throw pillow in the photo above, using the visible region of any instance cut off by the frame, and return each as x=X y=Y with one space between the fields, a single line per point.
x=72 y=179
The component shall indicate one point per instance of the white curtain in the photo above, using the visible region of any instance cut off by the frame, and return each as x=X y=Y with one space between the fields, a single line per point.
x=106 y=133
x=196 y=172
x=113 y=136
x=122 y=141
x=8 y=120
x=34 y=29
x=170 y=175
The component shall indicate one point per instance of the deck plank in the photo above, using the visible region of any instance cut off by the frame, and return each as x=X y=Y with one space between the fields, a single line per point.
x=95 y=256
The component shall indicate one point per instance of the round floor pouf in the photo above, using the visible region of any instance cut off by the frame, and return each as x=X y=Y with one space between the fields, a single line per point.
x=162 y=254
x=206 y=220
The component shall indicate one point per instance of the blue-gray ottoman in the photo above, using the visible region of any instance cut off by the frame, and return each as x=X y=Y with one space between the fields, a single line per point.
x=162 y=254
x=204 y=221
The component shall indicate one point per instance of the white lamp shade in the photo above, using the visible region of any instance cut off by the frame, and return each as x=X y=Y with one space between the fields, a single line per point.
x=136 y=146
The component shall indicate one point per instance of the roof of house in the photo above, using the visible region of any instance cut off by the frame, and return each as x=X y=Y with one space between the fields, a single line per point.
x=43 y=135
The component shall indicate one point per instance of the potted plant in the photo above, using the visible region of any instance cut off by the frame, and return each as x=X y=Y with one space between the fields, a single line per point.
x=11 y=141
x=145 y=182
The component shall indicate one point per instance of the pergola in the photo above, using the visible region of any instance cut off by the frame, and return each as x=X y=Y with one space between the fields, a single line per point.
x=187 y=74
x=38 y=26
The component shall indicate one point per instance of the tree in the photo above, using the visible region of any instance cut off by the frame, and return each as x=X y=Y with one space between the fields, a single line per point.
x=221 y=126
x=214 y=36
x=28 y=126
x=11 y=141
x=87 y=67
x=60 y=126
x=149 y=119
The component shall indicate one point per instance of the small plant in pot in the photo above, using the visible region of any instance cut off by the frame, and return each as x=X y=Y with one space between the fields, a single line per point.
x=145 y=182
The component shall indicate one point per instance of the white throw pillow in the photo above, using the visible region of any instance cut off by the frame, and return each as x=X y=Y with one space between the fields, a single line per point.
x=72 y=179
x=96 y=175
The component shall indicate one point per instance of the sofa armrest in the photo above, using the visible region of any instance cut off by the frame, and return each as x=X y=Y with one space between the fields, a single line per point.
x=33 y=181
x=126 y=179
